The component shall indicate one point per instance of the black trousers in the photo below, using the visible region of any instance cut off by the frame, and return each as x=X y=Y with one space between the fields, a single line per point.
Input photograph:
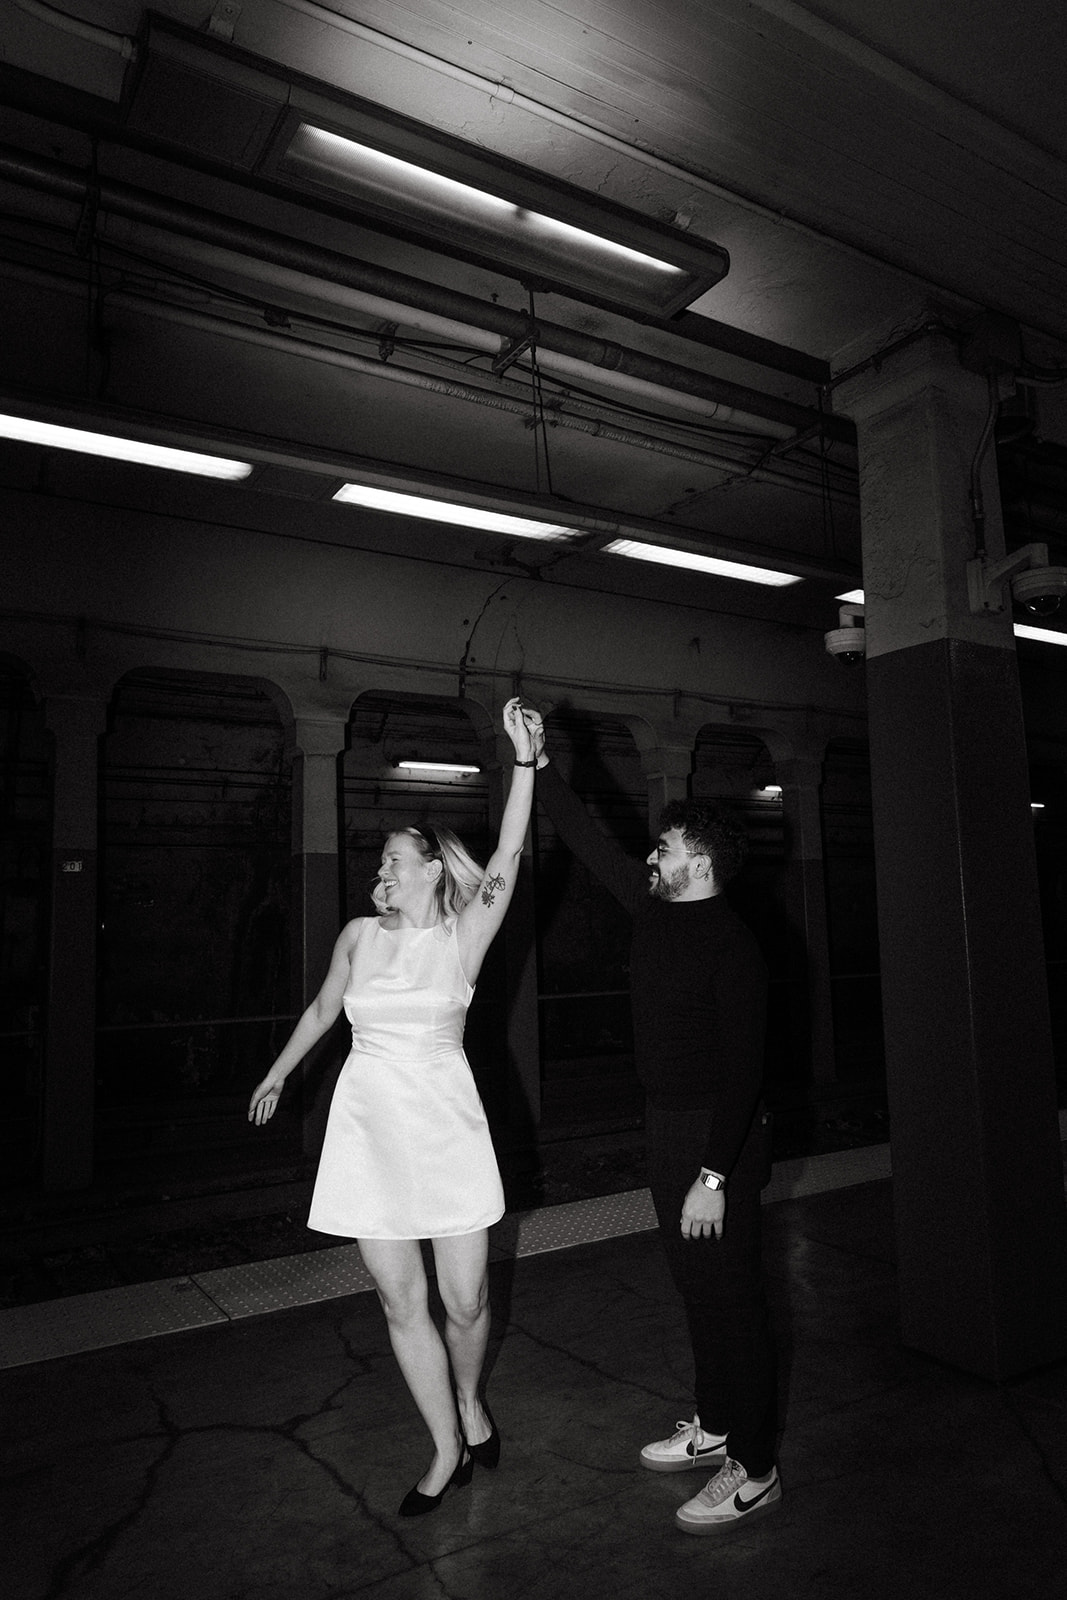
x=720 y=1282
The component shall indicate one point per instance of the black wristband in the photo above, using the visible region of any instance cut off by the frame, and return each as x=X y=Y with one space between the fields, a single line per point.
x=526 y=763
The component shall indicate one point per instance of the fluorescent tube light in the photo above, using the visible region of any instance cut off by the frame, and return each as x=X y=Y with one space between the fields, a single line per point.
x=417 y=505
x=491 y=210
x=389 y=178
x=438 y=766
x=1021 y=630
x=56 y=437
x=716 y=566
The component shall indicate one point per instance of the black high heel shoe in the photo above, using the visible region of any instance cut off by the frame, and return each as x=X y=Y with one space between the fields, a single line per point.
x=417 y=1504
x=487 y=1454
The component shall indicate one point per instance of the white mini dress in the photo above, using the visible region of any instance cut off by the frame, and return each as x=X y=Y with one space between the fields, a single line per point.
x=407 y=1152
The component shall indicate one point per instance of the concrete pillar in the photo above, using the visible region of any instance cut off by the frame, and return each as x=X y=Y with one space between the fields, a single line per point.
x=667 y=769
x=76 y=724
x=977 y=1176
x=317 y=896
x=812 y=1021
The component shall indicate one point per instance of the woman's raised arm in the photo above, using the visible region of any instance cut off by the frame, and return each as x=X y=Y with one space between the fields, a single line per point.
x=480 y=920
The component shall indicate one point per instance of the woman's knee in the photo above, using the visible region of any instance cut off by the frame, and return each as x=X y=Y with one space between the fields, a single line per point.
x=399 y=1280
x=404 y=1304
x=466 y=1304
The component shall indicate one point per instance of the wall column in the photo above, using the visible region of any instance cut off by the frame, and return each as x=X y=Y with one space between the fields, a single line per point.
x=977 y=1176
x=316 y=886
x=809 y=956
x=76 y=723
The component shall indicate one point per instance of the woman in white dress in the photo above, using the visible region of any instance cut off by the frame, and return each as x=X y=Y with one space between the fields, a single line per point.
x=407 y=1153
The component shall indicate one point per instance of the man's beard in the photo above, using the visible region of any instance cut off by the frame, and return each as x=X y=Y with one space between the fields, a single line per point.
x=672 y=886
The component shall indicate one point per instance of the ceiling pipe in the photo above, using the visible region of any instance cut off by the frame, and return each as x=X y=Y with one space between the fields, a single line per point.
x=453 y=389
x=154 y=240
x=248 y=240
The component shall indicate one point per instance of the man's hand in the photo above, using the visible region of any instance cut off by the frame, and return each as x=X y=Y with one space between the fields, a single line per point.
x=535 y=723
x=703 y=1210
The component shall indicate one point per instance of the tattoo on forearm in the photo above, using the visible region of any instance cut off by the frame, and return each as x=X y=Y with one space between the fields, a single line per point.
x=489 y=889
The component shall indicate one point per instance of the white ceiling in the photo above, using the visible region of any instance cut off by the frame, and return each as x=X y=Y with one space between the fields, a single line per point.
x=866 y=163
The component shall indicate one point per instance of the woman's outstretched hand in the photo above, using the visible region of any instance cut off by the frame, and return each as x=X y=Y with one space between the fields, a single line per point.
x=518 y=729
x=264 y=1101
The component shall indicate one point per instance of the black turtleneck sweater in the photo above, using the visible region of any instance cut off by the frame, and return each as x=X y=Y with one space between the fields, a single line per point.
x=698 y=984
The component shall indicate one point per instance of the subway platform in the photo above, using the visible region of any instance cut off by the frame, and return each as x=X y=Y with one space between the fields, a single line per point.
x=242 y=1433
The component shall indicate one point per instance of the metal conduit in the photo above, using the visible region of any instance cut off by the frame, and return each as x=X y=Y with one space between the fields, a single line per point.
x=152 y=240
x=391 y=373
x=247 y=239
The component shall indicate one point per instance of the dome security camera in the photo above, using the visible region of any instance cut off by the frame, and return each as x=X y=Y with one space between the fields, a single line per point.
x=1040 y=589
x=1032 y=582
x=847 y=643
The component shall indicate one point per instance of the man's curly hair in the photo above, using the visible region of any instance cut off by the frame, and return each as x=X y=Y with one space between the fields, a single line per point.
x=709 y=829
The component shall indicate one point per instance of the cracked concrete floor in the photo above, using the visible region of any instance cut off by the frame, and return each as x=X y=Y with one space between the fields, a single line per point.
x=265 y=1459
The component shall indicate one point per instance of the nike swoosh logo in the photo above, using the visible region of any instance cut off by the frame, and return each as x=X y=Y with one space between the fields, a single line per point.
x=746 y=1505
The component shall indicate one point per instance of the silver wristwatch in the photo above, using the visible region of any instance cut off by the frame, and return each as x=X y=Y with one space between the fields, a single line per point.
x=713 y=1180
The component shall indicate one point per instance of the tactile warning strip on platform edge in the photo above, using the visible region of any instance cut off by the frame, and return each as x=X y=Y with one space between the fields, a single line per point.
x=815 y=1174
x=80 y=1322
x=260 y=1286
x=609 y=1216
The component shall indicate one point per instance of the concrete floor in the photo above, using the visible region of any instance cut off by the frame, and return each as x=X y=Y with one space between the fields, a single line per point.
x=263 y=1459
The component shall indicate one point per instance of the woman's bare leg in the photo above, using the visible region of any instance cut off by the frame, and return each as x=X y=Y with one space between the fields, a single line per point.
x=462 y=1279
x=400 y=1279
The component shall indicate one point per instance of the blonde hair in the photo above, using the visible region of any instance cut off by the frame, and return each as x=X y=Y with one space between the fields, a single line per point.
x=461 y=876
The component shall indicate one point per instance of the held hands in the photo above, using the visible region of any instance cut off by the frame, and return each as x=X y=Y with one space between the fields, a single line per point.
x=517 y=727
x=536 y=726
x=264 y=1101
x=703 y=1211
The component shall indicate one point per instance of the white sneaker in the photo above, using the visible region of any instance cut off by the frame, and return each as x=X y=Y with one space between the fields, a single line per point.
x=729 y=1499
x=689 y=1447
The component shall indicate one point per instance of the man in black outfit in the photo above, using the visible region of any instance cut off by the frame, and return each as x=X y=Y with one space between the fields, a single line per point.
x=698 y=992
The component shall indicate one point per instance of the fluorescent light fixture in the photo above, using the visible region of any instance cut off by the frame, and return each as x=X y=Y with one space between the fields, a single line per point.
x=56 y=437
x=412 y=178
x=438 y=766
x=495 y=211
x=854 y=597
x=417 y=505
x=714 y=565
x=391 y=179
x=1023 y=630
x=771 y=791
x=1037 y=805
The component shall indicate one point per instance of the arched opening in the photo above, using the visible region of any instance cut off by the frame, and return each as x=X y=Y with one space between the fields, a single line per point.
x=589 y=1087
x=380 y=795
x=193 y=992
